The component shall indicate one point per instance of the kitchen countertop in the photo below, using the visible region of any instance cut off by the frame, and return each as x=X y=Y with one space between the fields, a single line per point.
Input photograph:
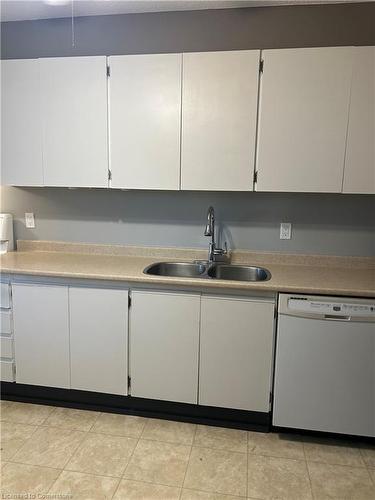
x=313 y=274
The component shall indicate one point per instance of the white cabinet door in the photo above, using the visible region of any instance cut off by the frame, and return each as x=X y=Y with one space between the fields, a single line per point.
x=237 y=338
x=164 y=343
x=74 y=91
x=303 y=116
x=21 y=136
x=219 y=109
x=359 y=173
x=99 y=340
x=41 y=335
x=145 y=115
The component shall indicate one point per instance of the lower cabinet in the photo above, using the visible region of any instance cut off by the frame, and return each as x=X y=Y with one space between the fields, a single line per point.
x=237 y=339
x=6 y=335
x=71 y=337
x=183 y=347
x=98 y=339
x=164 y=345
x=41 y=334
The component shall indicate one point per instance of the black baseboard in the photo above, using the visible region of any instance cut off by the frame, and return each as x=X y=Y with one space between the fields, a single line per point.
x=208 y=415
x=308 y=433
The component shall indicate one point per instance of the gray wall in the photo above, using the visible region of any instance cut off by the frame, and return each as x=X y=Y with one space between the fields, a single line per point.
x=267 y=27
x=332 y=224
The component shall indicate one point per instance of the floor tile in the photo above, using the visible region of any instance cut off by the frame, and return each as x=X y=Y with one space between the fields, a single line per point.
x=205 y=495
x=25 y=413
x=157 y=462
x=20 y=479
x=102 y=454
x=70 y=418
x=221 y=438
x=50 y=447
x=136 y=490
x=275 y=445
x=84 y=486
x=168 y=431
x=340 y=482
x=13 y=436
x=119 y=425
x=332 y=451
x=278 y=478
x=218 y=471
x=372 y=474
x=368 y=454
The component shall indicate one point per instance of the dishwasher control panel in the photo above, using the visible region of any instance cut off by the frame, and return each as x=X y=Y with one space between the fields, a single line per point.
x=327 y=307
x=340 y=308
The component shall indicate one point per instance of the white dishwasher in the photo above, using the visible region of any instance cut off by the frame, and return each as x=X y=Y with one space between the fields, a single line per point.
x=325 y=364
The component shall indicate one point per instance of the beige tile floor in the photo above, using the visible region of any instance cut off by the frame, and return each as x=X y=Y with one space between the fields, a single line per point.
x=66 y=453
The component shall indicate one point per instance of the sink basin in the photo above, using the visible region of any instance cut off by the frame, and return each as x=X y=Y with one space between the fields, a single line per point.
x=239 y=273
x=177 y=269
x=205 y=271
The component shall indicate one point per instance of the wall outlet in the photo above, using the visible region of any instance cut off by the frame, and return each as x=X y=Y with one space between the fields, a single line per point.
x=285 y=231
x=29 y=220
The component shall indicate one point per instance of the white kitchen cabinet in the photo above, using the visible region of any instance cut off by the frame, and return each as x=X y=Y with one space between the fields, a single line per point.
x=303 y=116
x=219 y=109
x=21 y=140
x=99 y=339
x=237 y=338
x=164 y=345
x=74 y=103
x=359 y=172
x=145 y=121
x=5 y=301
x=41 y=334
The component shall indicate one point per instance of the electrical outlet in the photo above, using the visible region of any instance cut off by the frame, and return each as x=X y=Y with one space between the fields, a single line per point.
x=285 y=231
x=30 y=220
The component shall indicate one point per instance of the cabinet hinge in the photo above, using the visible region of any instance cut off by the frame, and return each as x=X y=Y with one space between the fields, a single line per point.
x=129 y=301
x=255 y=178
x=129 y=382
x=261 y=66
x=109 y=175
x=108 y=71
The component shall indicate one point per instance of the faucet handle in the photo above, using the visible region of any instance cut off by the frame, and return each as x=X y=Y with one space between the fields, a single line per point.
x=221 y=251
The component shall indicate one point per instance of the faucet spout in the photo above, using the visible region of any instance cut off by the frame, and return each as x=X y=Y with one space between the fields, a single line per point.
x=215 y=254
x=210 y=227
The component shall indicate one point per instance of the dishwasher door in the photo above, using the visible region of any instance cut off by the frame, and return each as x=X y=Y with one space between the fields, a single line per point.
x=325 y=365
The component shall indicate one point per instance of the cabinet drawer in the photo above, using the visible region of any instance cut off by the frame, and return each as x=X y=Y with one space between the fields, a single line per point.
x=6 y=370
x=4 y=295
x=5 y=322
x=6 y=347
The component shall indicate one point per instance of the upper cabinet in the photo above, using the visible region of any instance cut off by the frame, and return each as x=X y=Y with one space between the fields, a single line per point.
x=219 y=110
x=145 y=118
x=74 y=103
x=21 y=143
x=303 y=117
x=359 y=174
x=302 y=120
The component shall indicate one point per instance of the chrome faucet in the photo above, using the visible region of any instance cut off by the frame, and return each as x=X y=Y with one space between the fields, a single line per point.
x=215 y=254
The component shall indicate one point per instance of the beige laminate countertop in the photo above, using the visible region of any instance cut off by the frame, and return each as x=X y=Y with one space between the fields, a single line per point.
x=329 y=275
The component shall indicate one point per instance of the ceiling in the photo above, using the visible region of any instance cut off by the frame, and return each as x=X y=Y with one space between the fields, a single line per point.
x=18 y=10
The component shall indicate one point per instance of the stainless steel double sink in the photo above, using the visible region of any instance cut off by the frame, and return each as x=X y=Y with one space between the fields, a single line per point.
x=206 y=270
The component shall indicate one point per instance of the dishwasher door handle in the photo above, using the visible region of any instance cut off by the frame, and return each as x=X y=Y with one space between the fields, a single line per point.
x=333 y=317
